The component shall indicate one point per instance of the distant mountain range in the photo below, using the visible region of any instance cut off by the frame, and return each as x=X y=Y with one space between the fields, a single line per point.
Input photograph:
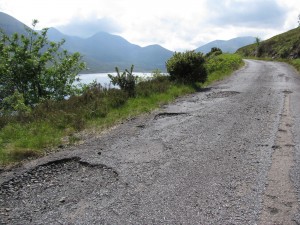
x=104 y=51
x=229 y=46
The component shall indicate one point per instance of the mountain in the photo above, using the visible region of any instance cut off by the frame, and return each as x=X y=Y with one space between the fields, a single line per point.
x=229 y=46
x=113 y=50
x=103 y=51
x=285 y=45
x=11 y=25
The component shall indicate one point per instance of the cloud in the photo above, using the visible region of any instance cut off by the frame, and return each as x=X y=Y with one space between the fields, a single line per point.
x=88 y=27
x=176 y=25
x=247 y=13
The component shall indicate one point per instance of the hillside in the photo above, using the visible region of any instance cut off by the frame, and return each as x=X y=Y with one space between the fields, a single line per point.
x=229 y=46
x=285 y=45
x=103 y=51
x=11 y=25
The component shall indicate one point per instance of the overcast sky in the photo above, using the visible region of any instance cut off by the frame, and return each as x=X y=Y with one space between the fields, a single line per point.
x=174 y=24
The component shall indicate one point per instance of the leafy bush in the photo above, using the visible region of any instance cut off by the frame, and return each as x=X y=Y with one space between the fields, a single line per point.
x=214 y=52
x=36 y=69
x=126 y=81
x=187 y=67
x=14 y=104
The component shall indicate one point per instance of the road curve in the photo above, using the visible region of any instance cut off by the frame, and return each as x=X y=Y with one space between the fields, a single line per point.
x=227 y=155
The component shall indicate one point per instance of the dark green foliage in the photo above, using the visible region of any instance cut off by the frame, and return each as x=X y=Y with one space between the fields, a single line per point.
x=35 y=68
x=187 y=67
x=214 y=52
x=126 y=80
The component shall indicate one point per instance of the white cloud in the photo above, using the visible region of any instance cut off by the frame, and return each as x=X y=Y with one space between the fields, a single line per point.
x=174 y=24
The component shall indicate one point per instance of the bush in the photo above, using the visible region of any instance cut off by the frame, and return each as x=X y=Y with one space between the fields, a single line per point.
x=187 y=67
x=33 y=69
x=126 y=81
x=214 y=52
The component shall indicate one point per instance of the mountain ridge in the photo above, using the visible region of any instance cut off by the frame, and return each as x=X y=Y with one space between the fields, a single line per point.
x=103 y=51
x=229 y=46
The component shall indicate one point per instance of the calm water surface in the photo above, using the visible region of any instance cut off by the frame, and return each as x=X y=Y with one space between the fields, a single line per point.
x=103 y=79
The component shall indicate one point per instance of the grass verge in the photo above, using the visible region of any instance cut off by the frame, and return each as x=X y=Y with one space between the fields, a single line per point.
x=294 y=62
x=222 y=66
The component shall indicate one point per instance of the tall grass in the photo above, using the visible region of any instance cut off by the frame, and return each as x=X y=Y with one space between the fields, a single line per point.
x=221 y=66
x=28 y=135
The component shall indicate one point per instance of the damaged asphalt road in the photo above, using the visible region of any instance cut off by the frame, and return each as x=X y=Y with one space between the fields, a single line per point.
x=208 y=158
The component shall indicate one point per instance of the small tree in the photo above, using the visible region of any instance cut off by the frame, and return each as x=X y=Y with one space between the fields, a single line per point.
x=299 y=20
x=214 y=52
x=257 y=41
x=36 y=68
x=259 y=47
x=187 y=67
x=125 y=80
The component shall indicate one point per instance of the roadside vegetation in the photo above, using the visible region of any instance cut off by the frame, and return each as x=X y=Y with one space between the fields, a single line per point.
x=43 y=118
x=283 y=47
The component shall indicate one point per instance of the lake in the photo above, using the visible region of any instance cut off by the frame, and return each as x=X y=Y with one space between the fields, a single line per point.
x=103 y=79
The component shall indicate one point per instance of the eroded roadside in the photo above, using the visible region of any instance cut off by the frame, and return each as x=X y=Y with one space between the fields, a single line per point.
x=280 y=203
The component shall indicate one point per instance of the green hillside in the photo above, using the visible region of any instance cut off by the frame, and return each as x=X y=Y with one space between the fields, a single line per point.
x=285 y=46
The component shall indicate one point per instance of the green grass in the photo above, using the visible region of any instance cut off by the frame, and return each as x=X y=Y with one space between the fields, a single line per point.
x=19 y=141
x=222 y=66
x=295 y=63
x=50 y=124
x=140 y=105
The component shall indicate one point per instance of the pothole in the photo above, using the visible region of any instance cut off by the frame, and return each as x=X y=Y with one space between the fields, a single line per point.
x=222 y=94
x=51 y=186
x=287 y=92
x=49 y=171
x=168 y=114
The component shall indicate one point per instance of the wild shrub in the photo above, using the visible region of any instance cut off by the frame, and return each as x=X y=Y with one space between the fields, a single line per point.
x=116 y=97
x=187 y=67
x=158 y=84
x=126 y=80
x=214 y=52
x=35 y=68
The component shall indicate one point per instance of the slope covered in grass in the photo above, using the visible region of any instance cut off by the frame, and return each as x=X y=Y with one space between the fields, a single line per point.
x=285 y=45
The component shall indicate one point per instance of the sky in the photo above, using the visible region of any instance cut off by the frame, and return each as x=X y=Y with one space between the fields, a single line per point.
x=177 y=25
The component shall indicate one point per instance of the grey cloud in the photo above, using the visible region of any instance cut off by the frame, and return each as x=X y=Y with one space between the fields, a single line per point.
x=86 y=28
x=255 y=13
